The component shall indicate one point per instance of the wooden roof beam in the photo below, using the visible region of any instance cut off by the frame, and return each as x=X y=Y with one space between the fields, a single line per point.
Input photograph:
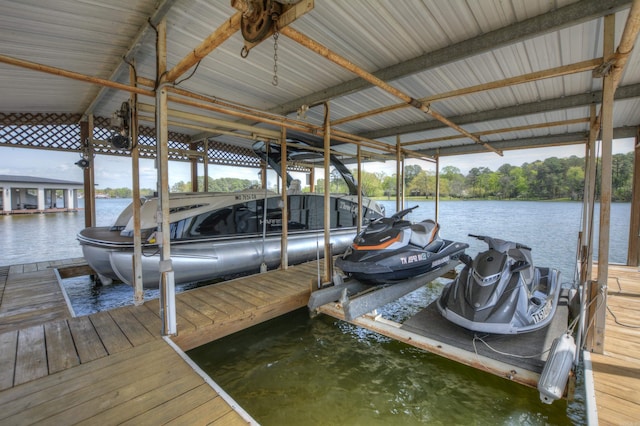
x=339 y=60
x=215 y=39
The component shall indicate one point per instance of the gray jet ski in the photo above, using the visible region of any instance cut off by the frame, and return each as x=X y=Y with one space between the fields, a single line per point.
x=500 y=291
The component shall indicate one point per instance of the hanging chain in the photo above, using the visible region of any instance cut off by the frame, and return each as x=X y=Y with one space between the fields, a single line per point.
x=276 y=34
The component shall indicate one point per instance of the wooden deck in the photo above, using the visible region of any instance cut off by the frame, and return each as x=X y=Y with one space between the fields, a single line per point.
x=616 y=373
x=114 y=367
x=30 y=294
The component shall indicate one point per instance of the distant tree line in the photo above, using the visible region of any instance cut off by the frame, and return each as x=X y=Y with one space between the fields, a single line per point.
x=553 y=178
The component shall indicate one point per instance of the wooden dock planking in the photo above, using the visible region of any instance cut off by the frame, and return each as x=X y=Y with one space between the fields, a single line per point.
x=87 y=340
x=93 y=369
x=61 y=351
x=31 y=358
x=8 y=346
x=110 y=334
x=246 y=301
x=134 y=330
x=31 y=296
x=147 y=384
x=616 y=373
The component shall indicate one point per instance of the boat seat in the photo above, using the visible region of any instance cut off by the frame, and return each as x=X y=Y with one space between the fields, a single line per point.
x=424 y=233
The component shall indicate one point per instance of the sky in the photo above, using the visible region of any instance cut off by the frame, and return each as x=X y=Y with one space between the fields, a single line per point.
x=115 y=172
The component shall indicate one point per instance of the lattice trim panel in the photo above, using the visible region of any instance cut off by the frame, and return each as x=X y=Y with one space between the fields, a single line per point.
x=44 y=131
x=61 y=132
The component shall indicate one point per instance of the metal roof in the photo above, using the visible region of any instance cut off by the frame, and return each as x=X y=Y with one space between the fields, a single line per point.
x=426 y=49
x=36 y=179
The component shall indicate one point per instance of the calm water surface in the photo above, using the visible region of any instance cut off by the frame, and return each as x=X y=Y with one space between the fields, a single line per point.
x=296 y=370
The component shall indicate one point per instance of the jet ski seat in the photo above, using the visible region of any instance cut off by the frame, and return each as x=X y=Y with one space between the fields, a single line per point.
x=426 y=233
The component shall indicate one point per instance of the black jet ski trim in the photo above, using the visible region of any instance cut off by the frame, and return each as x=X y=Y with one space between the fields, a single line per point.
x=393 y=249
x=500 y=291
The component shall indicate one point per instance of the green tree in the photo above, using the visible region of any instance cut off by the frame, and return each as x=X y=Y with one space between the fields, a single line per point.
x=410 y=172
x=575 y=182
x=389 y=185
x=371 y=184
x=423 y=184
x=181 y=187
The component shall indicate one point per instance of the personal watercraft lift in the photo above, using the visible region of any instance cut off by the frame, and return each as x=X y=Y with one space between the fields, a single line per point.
x=357 y=299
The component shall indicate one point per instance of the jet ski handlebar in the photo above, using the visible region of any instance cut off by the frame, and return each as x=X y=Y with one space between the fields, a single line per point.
x=399 y=215
x=498 y=244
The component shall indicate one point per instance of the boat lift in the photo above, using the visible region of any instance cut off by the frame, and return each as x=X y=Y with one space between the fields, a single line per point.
x=509 y=357
x=357 y=298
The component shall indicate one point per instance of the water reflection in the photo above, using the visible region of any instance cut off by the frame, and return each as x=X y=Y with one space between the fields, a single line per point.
x=295 y=370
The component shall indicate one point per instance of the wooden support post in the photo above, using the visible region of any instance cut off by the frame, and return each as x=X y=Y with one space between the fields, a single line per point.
x=437 y=187
x=399 y=176
x=89 y=189
x=138 y=288
x=360 y=210
x=167 y=283
x=205 y=168
x=605 y=190
x=193 y=169
x=633 y=256
x=327 y=194
x=284 y=255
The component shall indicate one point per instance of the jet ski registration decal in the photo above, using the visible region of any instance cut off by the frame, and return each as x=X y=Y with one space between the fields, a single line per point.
x=422 y=257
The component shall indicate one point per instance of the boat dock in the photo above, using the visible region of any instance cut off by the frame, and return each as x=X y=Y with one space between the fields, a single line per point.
x=616 y=373
x=114 y=367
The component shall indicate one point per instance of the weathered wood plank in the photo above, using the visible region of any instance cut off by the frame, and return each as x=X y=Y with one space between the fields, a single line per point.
x=87 y=341
x=193 y=315
x=242 y=292
x=201 y=306
x=31 y=356
x=167 y=409
x=73 y=378
x=93 y=385
x=8 y=348
x=226 y=295
x=75 y=271
x=112 y=337
x=210 y=297
x=210 y=411
x=61 y=352
x=164 y=380
x=149 y=319
x=190 y=340
x=616 y=373
x=135 y=332
x=230 y=419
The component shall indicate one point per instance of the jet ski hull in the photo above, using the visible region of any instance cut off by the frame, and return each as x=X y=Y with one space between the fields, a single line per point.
x=501 y=292
x=379 y=267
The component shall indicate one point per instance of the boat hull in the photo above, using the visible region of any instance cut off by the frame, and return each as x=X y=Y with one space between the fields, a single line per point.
x=205 y=260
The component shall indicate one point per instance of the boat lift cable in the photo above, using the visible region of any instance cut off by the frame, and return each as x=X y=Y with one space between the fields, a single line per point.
x=481 y=339
x=615 y=318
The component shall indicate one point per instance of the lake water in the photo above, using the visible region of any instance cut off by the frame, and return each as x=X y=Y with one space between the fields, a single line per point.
x=297 y=370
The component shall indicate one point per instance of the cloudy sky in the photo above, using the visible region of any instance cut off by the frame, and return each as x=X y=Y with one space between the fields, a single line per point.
x=115 y=172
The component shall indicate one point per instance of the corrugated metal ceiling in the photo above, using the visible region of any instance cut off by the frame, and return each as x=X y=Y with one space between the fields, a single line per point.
x=423 y=48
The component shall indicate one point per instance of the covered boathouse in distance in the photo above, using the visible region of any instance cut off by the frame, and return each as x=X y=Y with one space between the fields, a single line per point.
x=29 y=194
